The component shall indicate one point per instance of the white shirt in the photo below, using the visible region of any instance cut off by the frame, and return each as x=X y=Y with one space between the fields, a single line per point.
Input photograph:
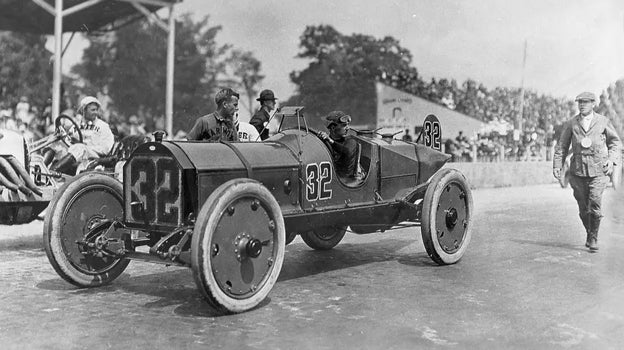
x=586 y=120
x=98 y=136
x=247 y=133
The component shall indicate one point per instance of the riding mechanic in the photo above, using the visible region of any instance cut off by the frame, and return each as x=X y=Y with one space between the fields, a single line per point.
x=219 y=125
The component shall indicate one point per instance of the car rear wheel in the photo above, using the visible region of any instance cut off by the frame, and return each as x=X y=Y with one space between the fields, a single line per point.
x=447 y=209
x=82 y=204
x=324 y=238
x=238 y=245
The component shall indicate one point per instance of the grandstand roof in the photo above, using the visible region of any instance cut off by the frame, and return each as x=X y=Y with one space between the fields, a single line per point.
x=103 y=15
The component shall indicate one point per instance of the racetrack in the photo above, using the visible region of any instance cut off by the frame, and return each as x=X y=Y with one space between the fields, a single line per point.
x=526 y=281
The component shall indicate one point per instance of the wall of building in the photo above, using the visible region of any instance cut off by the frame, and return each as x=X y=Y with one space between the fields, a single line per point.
x=397 y=110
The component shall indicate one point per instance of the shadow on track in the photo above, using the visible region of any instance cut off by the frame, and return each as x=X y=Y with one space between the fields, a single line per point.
x=551 y=244
x=176 y=287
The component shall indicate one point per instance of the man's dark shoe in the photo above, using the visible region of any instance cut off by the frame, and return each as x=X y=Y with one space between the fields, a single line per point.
x=592 y=243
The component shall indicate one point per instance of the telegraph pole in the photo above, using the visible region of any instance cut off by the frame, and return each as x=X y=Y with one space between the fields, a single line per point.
x=521 y=114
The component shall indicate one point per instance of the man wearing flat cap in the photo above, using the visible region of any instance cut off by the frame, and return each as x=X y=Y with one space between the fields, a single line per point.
x=219 y=125
x=98 y=138
x=343 y=147
x=595 y=148
x=260 y=120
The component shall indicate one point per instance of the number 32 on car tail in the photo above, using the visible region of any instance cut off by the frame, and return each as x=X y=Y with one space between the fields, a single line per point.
x=432 y=133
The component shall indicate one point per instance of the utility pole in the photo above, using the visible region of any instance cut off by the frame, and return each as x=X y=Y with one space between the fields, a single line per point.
x=521 y=114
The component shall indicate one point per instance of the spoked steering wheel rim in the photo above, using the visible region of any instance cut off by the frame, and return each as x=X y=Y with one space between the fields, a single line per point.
x=62 y=133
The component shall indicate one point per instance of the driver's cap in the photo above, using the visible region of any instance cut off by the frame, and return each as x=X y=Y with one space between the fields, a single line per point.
x=87 y=101
x=337 y=117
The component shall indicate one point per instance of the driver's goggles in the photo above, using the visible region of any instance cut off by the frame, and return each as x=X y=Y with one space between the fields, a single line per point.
x=345 y=119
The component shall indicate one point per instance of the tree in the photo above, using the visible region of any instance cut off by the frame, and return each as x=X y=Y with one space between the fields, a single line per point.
x=131 y=64
x=25 y=68
x=612 y=105
x=343 y=70
x=246 y=77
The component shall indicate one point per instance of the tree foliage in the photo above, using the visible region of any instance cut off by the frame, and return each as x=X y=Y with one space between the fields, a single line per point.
x=244 y=75
x=25 y=68
x=343 y=70
x=612 y=105
x=131 y=64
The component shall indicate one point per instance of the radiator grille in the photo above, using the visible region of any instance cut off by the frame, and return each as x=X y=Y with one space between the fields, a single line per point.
x=153 y=190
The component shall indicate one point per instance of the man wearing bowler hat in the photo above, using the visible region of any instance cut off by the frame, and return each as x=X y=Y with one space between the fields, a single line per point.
x=595 y=147
x=260 y=120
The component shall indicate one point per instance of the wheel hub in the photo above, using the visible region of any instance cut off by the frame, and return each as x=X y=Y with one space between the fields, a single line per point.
x=93 y=222
x=246 y=246
x=451 y=217
x=254 y=248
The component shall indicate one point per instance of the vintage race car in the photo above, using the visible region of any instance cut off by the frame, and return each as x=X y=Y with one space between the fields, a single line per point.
x=227 y=210
x=26 y=182
x=25 y=187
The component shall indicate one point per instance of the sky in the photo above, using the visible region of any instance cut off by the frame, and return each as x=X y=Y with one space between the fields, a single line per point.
x=571 y=45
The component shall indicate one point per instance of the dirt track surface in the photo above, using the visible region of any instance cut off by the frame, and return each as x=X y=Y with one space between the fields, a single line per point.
x=526 y=281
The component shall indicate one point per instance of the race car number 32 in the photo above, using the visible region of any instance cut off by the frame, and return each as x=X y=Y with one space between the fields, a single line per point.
x=432 y=132
x=318 y=178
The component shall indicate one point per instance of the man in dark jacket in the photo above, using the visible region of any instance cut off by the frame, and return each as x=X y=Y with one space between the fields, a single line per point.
x=595 y=150
x=260 y=120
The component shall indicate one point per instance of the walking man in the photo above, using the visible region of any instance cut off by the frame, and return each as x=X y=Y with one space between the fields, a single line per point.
x=595 y=148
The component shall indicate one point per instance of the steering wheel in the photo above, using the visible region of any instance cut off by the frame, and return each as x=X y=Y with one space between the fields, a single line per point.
x=384 y=136
x=62 y=133
x=366 y=131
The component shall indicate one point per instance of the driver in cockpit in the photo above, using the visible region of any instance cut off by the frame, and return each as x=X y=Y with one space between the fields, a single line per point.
x=98 y=139
x=343 y=147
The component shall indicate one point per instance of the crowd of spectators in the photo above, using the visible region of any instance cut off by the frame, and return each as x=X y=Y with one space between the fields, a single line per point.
x=35 y=122
x=533 y=136
x=494 y=146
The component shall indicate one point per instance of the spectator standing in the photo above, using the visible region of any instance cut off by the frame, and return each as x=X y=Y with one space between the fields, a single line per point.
x=407 y=137
x=135 y=127
x=595 y=150
x=22 y=109
x=260 y=120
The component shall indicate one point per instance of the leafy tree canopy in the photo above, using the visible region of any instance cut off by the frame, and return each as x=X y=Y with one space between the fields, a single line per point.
x=343 y=70
x=25 y=68
x=243 y=75
x=612 y=105
x=131 y=65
